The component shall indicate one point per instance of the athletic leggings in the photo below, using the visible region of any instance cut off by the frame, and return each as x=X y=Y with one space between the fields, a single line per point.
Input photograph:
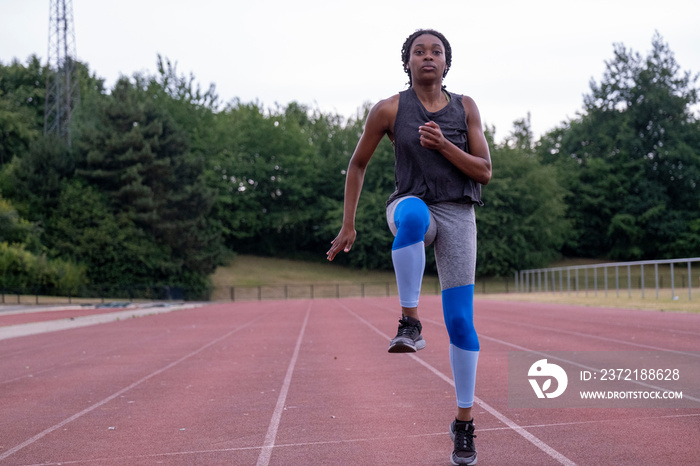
x=451 y=228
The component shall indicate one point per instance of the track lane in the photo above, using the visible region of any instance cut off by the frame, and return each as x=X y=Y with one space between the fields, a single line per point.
x=82 y=402
x=347 y=397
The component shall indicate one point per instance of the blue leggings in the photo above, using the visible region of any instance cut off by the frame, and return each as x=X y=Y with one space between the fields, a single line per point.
x=452 y=229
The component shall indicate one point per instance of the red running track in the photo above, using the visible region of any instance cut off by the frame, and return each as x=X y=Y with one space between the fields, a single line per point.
x=305 y=382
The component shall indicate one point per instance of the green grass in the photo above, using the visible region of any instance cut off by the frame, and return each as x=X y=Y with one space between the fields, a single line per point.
x=257 y=271
x=635 y=301
x=249 y=277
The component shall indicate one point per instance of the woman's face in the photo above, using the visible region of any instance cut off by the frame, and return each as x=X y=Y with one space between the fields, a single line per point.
x=426 y=60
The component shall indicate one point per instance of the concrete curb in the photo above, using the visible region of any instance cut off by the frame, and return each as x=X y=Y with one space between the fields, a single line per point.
x=34 y=328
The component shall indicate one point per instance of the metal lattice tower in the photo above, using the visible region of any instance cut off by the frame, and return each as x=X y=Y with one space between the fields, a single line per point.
x=62 y=90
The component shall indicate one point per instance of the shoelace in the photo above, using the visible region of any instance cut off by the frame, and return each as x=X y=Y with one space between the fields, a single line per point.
x=405 y=329
x=465 y=439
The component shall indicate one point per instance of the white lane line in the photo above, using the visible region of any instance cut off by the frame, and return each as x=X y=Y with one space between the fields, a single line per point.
x=573 y=363
x=580 y=334
x=127 y=459
x=497 y=414
x=44 y=433
x=589 y=335
x=266 y=451
x=550 y=356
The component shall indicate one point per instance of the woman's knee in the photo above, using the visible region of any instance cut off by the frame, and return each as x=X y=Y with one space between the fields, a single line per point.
x=412 y=219
x=458 y=311
x=462 y=332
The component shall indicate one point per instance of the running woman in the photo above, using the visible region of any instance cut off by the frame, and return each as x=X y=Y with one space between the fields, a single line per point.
x=442 y=159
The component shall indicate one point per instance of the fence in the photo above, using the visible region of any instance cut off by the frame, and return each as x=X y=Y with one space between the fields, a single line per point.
x=312 y=291
x=431 y=286
x=87 y=295
x=45 y=295
x=606 y=277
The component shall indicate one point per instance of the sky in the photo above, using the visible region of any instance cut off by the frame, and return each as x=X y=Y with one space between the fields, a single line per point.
x=513 y=57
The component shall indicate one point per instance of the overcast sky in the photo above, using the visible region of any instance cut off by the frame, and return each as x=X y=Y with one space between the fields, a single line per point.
x=511 y=56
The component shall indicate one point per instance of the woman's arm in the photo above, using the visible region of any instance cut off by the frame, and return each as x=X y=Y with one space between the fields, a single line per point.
x=476 y=164
x=379 y=122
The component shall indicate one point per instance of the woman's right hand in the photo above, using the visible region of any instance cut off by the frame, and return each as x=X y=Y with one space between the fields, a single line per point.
x=343 y=241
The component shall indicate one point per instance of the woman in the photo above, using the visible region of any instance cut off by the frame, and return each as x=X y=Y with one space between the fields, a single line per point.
x=442 y=159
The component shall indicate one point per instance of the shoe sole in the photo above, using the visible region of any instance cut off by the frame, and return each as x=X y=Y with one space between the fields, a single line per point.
x=463 y=464
x=405 y=346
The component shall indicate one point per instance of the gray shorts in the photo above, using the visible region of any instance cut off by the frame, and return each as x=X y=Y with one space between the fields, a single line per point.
x=452 y=230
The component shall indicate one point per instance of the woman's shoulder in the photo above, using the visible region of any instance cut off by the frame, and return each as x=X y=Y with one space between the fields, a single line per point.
x=384 y=112
x=467 y=101
x=388 y=104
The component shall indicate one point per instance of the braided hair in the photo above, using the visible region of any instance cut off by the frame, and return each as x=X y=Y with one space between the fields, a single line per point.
x=406 y=51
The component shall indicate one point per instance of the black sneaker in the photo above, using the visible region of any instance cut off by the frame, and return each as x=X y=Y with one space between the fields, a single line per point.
x=408 y=339
x=462 y=434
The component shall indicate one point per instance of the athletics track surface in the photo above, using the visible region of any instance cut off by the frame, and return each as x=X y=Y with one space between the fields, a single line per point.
x=309 y=382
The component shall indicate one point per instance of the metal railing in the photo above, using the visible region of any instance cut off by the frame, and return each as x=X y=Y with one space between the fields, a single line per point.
x=599 y=277
x=310 y=291
x=44 y=296
x=50 y=295
x=343 y=290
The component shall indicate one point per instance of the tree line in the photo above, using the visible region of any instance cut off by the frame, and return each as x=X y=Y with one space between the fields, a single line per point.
x=162 y=182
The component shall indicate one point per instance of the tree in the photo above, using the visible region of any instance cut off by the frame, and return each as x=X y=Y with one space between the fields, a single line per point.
x=631 y=161
x=15 y=229
x=114 y=250
x=266 y=169
x=132 y=151
x=33 y=181
x=22 y=92
x=23 y=260
x=522 y=224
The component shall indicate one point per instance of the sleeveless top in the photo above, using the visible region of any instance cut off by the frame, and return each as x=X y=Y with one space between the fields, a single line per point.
x=426 y=173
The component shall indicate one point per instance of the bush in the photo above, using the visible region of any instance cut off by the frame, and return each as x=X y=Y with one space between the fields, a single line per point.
x=20 y=269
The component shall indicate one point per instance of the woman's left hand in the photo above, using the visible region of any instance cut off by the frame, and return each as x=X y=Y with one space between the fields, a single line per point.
x=431 y=136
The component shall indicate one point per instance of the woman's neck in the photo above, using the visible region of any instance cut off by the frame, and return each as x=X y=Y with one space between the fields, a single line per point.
x=432 y=97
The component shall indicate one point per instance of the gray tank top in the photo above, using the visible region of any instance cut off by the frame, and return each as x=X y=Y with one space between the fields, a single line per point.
x=425 y=173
